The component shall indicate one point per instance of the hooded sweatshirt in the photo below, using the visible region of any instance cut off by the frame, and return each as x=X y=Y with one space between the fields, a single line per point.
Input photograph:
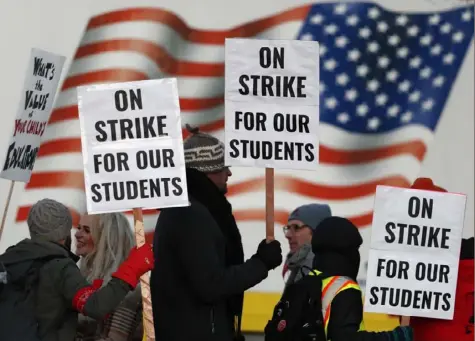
x=336 y=245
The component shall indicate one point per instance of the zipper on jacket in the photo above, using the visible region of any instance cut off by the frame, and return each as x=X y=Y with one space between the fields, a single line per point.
x=212 y=320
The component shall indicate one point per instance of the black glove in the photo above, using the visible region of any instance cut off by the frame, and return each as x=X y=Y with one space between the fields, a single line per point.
x=270 y=254
x=401 y=334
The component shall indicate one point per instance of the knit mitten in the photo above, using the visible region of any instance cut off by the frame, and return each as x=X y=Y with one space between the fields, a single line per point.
x=139 y=261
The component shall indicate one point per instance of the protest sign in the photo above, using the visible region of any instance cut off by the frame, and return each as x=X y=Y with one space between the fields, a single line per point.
x=41 y=82
x=272 y=103
x=132 y=146
x=414 y=253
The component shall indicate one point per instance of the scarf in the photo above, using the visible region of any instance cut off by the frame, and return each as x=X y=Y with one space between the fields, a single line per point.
x=298 y=262
x=202 y=189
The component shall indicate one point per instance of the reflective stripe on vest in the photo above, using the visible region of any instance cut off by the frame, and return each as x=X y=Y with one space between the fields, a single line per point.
x=332 y=286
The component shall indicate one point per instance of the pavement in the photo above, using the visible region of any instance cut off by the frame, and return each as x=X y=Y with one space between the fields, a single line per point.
x=254 y=337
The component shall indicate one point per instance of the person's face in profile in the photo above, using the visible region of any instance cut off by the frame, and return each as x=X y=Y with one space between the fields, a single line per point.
x=297 y=233
x=220 y=178
x=84 y=240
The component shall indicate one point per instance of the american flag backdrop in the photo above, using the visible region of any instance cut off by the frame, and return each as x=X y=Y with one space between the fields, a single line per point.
x=385 y=79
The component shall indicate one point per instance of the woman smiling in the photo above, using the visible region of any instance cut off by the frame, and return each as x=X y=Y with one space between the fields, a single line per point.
x=103 y=241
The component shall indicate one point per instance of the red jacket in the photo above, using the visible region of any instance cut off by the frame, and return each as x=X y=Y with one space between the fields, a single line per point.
x=461 y=327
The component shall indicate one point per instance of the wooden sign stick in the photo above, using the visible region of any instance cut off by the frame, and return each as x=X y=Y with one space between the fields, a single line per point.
x=270 y=204
x=144 y=280
x=7 y=204
x=405 y=321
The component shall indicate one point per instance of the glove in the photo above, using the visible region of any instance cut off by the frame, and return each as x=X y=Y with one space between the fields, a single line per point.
x=139 y=261
x=270 y=254
x=401 y=334
x=81 y=297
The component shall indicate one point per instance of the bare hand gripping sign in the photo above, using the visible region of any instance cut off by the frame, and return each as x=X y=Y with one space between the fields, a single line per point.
x=272 y=101
x=414 y=254
x=36 y=103
x=132 y=146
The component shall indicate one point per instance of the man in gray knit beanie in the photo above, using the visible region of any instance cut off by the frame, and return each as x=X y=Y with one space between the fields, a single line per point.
x=205 y=153
x=49 y=220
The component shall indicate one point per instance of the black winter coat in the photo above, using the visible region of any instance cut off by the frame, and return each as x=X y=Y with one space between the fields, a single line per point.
x=193 y=289
x=336 y=243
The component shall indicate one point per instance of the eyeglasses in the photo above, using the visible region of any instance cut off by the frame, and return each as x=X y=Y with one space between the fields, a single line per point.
x=293 y=228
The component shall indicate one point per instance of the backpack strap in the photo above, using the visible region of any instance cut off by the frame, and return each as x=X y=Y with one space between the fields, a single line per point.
x=46 y=259
x=29 y=281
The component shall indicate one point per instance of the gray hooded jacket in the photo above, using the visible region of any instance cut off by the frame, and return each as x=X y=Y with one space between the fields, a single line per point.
x=59 y=281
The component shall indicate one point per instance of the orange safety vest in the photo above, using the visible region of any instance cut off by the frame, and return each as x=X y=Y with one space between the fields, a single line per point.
x=332 y=286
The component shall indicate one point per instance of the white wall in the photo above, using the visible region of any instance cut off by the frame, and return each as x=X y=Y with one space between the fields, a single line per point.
x=57 y=26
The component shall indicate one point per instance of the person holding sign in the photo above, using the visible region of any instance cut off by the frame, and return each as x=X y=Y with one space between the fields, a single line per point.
x=44 y=289
x=414 y=253
x=336 y=245
x=200 y=276
x=103 y=242
x=327 y=304
x=460 y=328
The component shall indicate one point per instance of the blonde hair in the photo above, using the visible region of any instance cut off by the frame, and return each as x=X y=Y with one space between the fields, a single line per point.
x=113 y=239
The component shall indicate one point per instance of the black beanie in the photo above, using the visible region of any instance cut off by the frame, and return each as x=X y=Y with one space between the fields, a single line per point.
x=336 y=234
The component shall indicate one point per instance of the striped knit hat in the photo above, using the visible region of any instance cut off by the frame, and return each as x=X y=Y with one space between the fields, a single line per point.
x=203 y=152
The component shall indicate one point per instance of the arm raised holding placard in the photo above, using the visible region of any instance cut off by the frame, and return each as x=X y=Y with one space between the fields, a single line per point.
x=199 y=282
x=46 y=265
x=335 y=244
x=346 y=318
x=202 y=274
x=200 y=257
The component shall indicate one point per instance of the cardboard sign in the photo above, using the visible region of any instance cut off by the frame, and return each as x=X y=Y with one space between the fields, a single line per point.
x=414 y=254
x=132 y=146
x=272 y=103
x=41 y=82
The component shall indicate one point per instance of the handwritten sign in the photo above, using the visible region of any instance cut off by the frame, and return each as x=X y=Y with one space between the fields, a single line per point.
x=41 y=83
